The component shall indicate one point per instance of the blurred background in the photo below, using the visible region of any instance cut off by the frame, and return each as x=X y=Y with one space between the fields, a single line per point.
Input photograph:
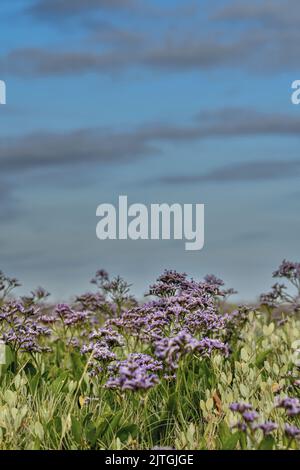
x=164 y=101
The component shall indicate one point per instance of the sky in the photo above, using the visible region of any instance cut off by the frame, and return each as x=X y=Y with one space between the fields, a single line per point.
x=185 y=101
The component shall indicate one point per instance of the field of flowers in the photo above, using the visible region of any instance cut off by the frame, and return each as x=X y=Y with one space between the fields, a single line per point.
x=185 y=369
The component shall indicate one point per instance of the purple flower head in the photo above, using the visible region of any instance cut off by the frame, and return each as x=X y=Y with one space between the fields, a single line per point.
x=172 y=349
x=288 y=270
x=134 y=373
x=250 y=416
x=205 y=321
x=213 y=280
x=206 y=346
x=69 y=316
x=291 y=430
x=108 y=336
x=240 y=425
x=24 y=336
x=267 y=428
x=168 y=284
x=48 y=319
x=100 y=351
x=240 y=407
x=100 y=278
x=91 y=301
x=291 y=405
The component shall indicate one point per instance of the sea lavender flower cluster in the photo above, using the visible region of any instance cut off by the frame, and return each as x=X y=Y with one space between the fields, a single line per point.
x=204 y=321
x=108 y=336
x=20 y=328
x=91 y=301
x=290 y=405
x=70 y=317
x=100 y=348
x=168 y=284
x=292 y=431
x=289 y=270
x=267 y=427
x=37 y=296
x=7 y=285
x=147 y=322
x=248 y=418
x=101 y=352
x=115 y=292
x=182 y=304
x=137 y=372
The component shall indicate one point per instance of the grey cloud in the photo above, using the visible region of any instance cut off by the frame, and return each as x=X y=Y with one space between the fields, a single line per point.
x=106 y=33
x=110 y=146
x=50 y=10
x=55 y=149
x=273 y=13
x=242 y=172
x=67 y=8
x=36 y=62
x=258 y=50
x=261 y=49
x=167 y=54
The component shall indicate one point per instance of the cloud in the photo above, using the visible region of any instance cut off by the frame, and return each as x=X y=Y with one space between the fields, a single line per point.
x=109 y=146
x=62 y=10
x=259 y=36
x=42 y=149
x=168 y=54
x=275 y=13
x=242 y=172
x=103 y=32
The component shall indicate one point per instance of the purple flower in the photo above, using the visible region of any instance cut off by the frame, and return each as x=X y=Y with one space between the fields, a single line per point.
x=213 y=280
x=108 y=336
x=291 y=405
x=204 y=320
x=206 y=346
x=250 y=416
x=133 y=374
x=100 y=352
x=172 y=349
x=69 y=316
x=291 y=430
x=267 y=428
x=21 y=329
x=240 y=407
x=241 y=426
x=288 y=270
x=91 y=301
x=48 y=319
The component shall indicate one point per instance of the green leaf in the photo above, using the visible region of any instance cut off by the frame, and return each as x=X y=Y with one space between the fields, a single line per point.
x=130 y=430
x=58 y=424
x=77 y=365
x=91 y=433
x=231 y=441
x=76 y=429
x=30 y=370
x=261 y=357
x=267 y=443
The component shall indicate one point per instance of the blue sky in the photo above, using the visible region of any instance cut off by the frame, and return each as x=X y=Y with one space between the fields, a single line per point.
x=165 y=101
